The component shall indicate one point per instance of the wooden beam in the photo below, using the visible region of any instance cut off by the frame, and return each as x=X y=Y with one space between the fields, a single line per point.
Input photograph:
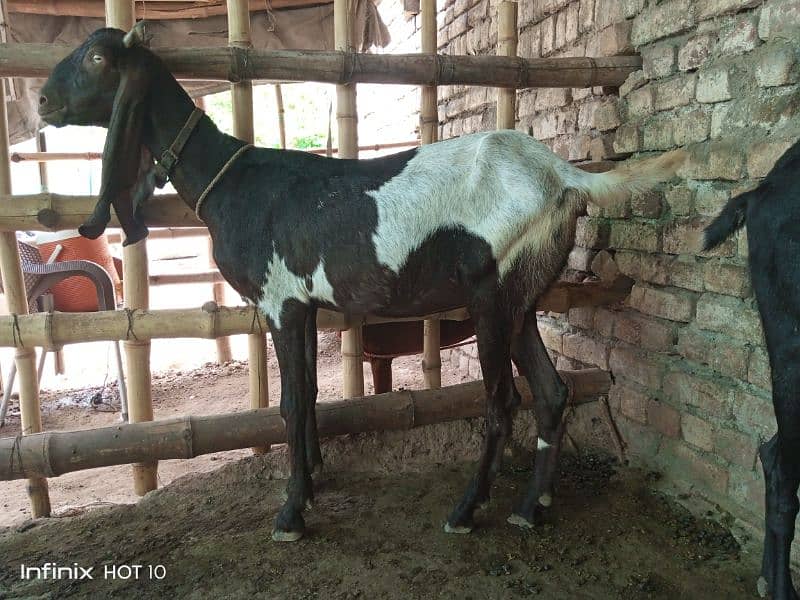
x=238 y=64
x=57 y=452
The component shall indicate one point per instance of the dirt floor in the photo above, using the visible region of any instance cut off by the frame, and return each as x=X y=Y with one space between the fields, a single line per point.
x=376 y=529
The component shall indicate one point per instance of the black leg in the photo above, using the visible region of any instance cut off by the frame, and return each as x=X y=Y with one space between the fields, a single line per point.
x=289 y=341
x=550 y=396
x=494 y=353
x=781 y=482
x=313 y=452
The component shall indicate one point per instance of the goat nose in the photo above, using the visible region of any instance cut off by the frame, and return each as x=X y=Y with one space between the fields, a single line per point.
x=42 y=100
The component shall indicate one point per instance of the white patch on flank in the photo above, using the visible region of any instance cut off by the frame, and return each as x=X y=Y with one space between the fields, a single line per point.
x=541 y=444
x=283 y=285
x=500 y=186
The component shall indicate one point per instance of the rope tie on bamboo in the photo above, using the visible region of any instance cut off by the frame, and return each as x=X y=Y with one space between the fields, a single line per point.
x=593 y=71
x=217 y=177
x=16 y=450
x=16 y=334
x=130 y=333
x=212 y=308
x=256 y=321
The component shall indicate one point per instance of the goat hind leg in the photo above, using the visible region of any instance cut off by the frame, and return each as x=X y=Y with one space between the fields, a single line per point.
x=781 y=483
x=550 y=396
x=493 y=349
x=313 y=451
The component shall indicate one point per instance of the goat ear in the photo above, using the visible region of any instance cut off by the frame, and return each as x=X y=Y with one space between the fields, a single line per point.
x=122 y=155
x=137 y=36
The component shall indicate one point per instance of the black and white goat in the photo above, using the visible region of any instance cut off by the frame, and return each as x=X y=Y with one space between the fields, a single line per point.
x=485 y=220
x=772 y=214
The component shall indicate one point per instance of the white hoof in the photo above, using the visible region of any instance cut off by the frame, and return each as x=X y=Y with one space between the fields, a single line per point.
x=286 y=536
x=519 y=521
x=546 y=500
x=460 y=529
x=762 y=587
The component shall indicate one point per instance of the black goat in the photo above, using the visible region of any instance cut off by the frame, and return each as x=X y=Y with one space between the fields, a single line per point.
x=772 y=213
x=485 y=220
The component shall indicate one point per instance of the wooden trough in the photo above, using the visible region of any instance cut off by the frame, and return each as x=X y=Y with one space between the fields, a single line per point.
x=57 y=452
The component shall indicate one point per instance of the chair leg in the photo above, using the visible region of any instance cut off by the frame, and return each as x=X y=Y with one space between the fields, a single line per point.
x=40 y=370
x=7 y=392
x=123 y=390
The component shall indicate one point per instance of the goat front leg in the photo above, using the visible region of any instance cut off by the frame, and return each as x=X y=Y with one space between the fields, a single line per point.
x=289 y=341
x=313 y=451
x=781 y=485
x=549 y=397
x=494 y=353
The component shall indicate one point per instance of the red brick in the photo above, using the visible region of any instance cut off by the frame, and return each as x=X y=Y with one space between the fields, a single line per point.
x=686 y=272
x=604 y=320
x=730 y=316
x=710 y=396
x=754 y=414
x=714 y=8
x=697 y=432
x=780 y=19
x=758 y=371
x=647 y=204
x=664 y=418
x=726 y=278
x=591 y=233
x=741 y=37
x=586 y=350
x=658 y=60
x=696 y=51
x=727 y=356
x=736 y=447
x=762 y=156
x=699 y=469
x=632 y=403
x=636 y=235
x=582 y=317
x=635 y=366
x=672 y=304
x=684 y=236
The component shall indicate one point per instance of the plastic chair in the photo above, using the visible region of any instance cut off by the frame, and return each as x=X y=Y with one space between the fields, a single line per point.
x=39 y=277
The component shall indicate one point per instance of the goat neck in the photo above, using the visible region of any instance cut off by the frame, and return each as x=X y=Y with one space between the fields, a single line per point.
x=207 y=149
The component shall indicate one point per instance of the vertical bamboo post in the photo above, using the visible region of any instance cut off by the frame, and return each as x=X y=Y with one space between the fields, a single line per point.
x=120 y=14
x=17 y=300
x=347 y=120
x=242 y=101
x=224 y=353
x=506 y=46
x=281 y=114
x=428 y=129
x=44 y=186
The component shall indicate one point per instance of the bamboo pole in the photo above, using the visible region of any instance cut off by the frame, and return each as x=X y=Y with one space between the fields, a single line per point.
x=282 y=117
x=52 y=212
x=211 y=321
x=347 y=120
x=428 y=129
x=55 y=453
x=242 y=101
x=44 y=185
x=120 y=14
x=17 y=301
x=506 y=46
x=226 y=64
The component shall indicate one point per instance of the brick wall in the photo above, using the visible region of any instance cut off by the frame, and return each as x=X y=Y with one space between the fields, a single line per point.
x=720 y=77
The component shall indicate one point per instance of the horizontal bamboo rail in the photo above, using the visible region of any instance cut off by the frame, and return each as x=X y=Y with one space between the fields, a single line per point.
x=211 y=321
x=150 y=10
x=19 y=157
x=240 y=64
x=57 y=452
x=210 y=276
x=166 y=233
x=53 y=212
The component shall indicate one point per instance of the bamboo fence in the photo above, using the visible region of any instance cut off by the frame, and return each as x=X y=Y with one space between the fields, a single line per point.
x=16 y=298
x=136 y=293
x=429 y=133
x=143 y=442
x=55 y=453
x=239 y=64
x=347 y=121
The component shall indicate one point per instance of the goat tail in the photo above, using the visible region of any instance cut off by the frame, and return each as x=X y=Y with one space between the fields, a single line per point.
x=605 y=189
x=729 y=220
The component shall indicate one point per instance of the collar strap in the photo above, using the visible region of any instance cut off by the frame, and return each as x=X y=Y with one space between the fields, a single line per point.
x=217 y=177
x=170 y=157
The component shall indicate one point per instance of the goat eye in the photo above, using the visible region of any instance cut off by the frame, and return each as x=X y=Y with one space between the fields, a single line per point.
x=97 y=58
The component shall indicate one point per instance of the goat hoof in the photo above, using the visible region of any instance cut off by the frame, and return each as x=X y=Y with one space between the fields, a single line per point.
x=762 y=587
x=520 y=521
x=459 y=529
x=286 y=536
x=309 y=504
x=546 y=500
